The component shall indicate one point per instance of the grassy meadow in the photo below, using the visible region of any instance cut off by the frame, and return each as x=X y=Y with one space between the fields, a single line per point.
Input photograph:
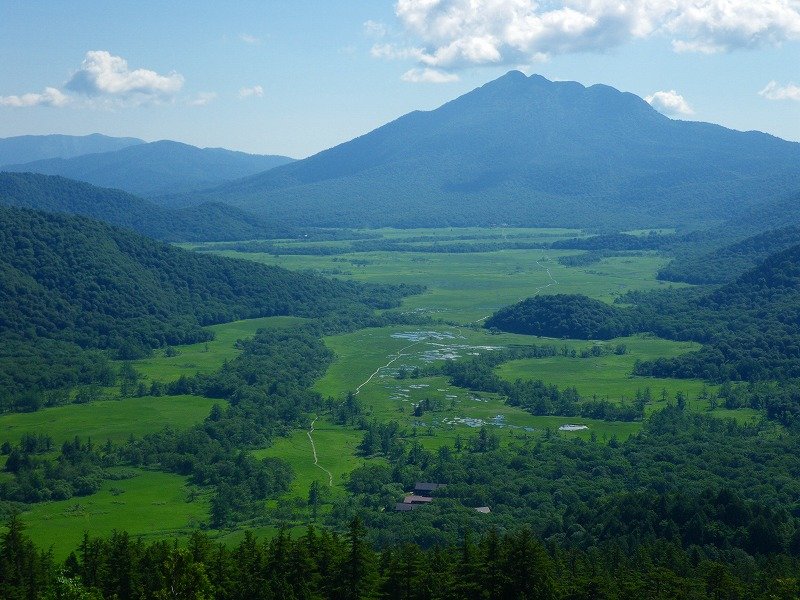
x=205 y=357
x=146 y=504
x=114 y=420
x=462 y=289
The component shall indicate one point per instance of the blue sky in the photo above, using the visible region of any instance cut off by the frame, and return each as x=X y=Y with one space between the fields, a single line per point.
x=298 y=77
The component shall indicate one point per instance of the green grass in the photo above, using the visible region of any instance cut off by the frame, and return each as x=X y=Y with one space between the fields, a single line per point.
x=206 y=357
x=465 y=287
x=108 y=419
x=607 y=376
x=366 y=353
x=462 y=290
x=336 y=448
x=153 y=504
x=468 y=287
x=150 y=505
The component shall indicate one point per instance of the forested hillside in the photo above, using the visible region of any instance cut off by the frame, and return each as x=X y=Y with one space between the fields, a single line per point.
x=749 y=327
x=563 y=316
x=207 y=222
x=528 y=151
x=163 y=167
x=70 y=284
x=695 y=264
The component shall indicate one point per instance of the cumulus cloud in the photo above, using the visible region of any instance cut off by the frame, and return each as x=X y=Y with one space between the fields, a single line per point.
x=249 y=39
x=49 y=97
x=428 y=75
x=775 y=91
x=251 y=92
x=102 y=74
x=670 y=103
x=450 y=34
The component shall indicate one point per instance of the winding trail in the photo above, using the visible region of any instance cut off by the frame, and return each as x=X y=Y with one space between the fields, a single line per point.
x=314 y=450
x=358 y=389
x=399 y=355
x=551 y=283
x=549 y=274
x=537 y=290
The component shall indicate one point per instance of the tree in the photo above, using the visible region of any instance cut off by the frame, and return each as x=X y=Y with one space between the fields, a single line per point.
x=359 y=571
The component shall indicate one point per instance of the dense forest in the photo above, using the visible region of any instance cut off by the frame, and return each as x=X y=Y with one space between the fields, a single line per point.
x=692 y=507
x=318 y=564
x=675 y=480
x=695 y=263
x=72 y=285
x=208 y=221
x=749 y=327
x=563 y=316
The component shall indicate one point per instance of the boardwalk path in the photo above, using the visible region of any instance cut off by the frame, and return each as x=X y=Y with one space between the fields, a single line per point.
x=358 y=389
x=314 y=450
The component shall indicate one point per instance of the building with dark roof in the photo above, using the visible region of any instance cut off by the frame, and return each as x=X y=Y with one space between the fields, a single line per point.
x=424 y=488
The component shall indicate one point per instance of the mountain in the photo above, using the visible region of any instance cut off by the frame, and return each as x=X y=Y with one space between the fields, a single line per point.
x=527 y=151
x=157 y=168
x=27 y=148
x=696 y=264
x=206 y=222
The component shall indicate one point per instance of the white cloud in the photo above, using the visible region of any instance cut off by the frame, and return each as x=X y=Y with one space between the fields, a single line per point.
x=249 y=39
x=49 y=97
x=451 y=34
x=375 y=29
x=203 y=99
x=428 y=75
x=670 y=103
x=102 y=74
x=249 y=92
x=774 y=91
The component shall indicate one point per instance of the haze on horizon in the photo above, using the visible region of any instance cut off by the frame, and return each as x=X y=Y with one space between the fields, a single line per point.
x=294 y=79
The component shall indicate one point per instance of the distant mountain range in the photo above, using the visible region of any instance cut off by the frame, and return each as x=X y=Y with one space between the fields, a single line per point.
x=527 y=151
x=208 y=221
x=27 y=148
x=157 y=168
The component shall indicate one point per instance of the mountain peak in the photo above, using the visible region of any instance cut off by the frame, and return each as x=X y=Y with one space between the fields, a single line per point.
x=529 y=151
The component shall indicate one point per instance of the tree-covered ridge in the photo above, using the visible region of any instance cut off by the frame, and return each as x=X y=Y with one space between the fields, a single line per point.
x=563 y=315
x=75 y=279
x=207 y=222
x=725 y=264
x=749 y=327
x=71 y=284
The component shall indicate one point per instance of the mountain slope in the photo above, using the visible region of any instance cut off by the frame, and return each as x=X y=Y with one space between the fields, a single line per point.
x=207 y=222
x=527 y=151
x=695 y=264
x=70 y=284
x=27 y=148
x=157 y=168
